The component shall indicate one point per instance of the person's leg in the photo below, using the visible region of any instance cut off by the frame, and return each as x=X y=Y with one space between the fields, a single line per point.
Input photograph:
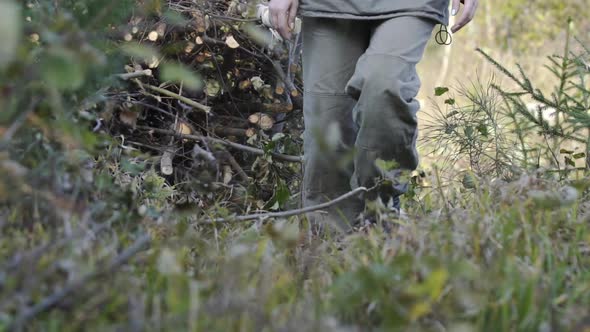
x=386 y=84
x=331 y=49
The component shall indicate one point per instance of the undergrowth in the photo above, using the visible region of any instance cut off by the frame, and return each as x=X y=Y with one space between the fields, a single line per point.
x=95 y=238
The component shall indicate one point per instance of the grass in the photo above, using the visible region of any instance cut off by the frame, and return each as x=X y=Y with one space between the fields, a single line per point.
x=476 y=254
x=499 y=257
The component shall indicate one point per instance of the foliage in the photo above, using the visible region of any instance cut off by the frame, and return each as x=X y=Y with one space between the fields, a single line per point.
x=96 y=237
x=504 y=131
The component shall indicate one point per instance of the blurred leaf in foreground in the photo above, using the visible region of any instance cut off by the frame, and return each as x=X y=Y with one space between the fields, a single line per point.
x=10 y=31
x=63 y=69
x=178 y=73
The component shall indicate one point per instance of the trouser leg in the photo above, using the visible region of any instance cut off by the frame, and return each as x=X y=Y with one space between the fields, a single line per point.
x=386 y=84
x=330 y=53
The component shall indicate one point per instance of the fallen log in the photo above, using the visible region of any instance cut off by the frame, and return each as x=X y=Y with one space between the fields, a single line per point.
x=263 y=121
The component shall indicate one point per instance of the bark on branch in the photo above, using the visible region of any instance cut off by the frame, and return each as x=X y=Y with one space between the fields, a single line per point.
x=176 y=96
x=289 y=213
x=198 y=138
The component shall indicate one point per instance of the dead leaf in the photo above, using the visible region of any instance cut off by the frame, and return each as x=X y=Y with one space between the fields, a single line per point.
x=245 y=84
x=128 y=117
x=231 y=42
x=183 y=128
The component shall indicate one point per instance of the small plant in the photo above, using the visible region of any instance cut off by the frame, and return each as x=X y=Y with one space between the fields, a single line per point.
x=504 y=132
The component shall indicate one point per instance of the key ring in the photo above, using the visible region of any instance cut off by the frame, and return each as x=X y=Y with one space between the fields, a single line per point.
x=443 y=36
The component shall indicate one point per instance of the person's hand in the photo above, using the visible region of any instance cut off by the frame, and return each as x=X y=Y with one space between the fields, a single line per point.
x=467 y=14
x=282 y=16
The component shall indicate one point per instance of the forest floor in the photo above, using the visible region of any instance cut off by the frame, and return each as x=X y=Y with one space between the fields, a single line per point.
x=124 y=196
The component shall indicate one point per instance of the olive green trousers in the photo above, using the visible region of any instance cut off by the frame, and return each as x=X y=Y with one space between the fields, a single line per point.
x=360 y=85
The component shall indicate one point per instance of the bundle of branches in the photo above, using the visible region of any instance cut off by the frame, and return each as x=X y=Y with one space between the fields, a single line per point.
x=215 y=95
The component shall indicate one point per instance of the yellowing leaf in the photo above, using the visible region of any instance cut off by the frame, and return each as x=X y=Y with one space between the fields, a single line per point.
x=419 y=309
x=183 y=128
x=213 y=88
x=245 y=84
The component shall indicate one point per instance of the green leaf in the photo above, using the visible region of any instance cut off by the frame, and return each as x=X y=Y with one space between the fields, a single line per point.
x=451 y=114
x=439 y=91
x=63 y=69
x=270 y=146
x=175 y=18
x=469 y=181
x=579 y=155
x=181 y=74
x=386 y=165
x=10 y=31
x=483 y=129
x=565 y=151
x=280 y=197
x=132 y=168
x=450 y=101
x=569 y=161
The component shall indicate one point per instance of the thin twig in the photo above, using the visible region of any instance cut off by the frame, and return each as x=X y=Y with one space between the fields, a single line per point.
x=176 y=96
x=255 y=151
x=136 y=74
x=290 y=213
x=200 y=152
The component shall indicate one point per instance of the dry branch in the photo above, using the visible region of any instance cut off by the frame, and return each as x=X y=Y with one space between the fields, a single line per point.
x=136 y=74
x=290 y=213
x=254 y=151
x=278 y=107
x=238 y=132
x=171 y=94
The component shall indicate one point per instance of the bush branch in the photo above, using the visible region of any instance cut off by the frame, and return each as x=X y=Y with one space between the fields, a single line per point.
x=199 y=138
x=290 y=213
